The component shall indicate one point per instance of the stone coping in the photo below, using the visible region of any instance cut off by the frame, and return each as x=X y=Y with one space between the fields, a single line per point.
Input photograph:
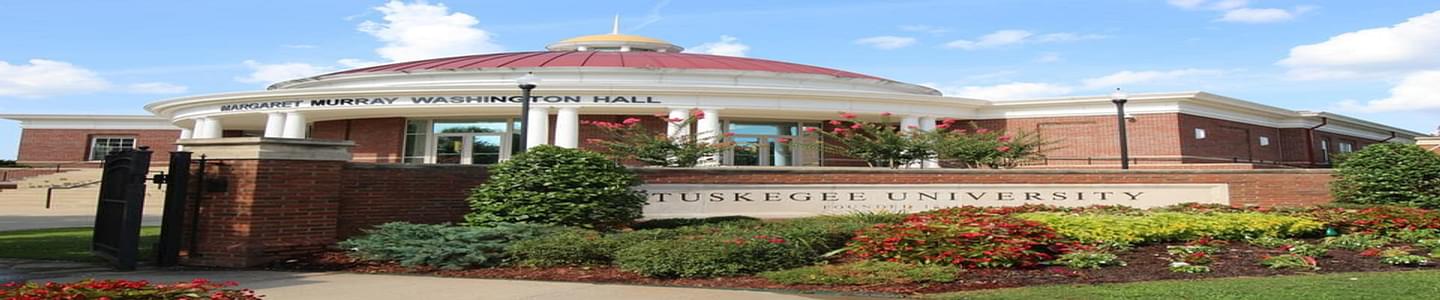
x=266 y=140
x=263 y=148
x=821 y=170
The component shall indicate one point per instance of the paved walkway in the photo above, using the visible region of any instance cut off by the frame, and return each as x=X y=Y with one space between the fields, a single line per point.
x=333 y=285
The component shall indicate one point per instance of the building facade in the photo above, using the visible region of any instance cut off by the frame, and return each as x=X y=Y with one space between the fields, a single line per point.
x=466 y=109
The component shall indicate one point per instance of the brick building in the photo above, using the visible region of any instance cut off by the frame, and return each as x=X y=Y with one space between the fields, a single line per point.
x=465 y=110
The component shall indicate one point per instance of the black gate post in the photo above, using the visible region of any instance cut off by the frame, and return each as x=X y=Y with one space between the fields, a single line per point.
x=167 y=251
x=116 y=236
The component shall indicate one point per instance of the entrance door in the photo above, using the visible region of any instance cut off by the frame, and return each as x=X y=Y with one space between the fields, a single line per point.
x=469 y=148
x=761 y=150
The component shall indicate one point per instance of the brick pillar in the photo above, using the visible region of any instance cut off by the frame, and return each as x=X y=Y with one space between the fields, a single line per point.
x=280 y=198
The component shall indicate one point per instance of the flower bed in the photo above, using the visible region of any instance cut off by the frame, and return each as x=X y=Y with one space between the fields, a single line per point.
x=125 y=289
x=982 y=247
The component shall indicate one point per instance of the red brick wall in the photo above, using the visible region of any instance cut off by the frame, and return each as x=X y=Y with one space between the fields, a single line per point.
x=1095 y=139
x=1227 y=140
x=271 y=209
x=379 y=140
x=39 y=145
x=373 y=194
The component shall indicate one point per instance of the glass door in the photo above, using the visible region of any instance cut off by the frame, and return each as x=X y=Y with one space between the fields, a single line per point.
x=469 y=148
x=485 y=149
x=450 y=149
x=761 y=150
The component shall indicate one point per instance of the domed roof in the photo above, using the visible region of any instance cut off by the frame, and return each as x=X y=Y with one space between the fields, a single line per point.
x=613 y=37
x=573 y=59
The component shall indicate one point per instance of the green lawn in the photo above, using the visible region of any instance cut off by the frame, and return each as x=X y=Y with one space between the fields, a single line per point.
x=1390 y=285
x=71 y=244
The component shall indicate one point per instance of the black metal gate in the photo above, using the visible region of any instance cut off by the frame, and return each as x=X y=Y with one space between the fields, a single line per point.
x=122 y=198
x=120 y=208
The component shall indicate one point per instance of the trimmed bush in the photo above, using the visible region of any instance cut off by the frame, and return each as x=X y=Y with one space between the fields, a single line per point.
x=444 y=246
x=864 y=273
x=568 y=247
x=684 y=222
x=1172 y=226
x=559 y=186
x=731 y=249
x=1389 y=173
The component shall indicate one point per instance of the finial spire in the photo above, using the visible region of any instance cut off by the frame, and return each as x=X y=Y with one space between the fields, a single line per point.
x=615 y=28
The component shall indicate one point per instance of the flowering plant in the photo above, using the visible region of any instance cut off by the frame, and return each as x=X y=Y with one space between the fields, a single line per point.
x=1378 y=219
x=983 y=147
x=879 y=144
x=630 y=140
x=970 y=238
x=1287 y=261
x=124 y=289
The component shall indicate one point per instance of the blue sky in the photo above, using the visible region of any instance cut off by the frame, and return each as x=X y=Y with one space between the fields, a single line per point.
x=1372 y=61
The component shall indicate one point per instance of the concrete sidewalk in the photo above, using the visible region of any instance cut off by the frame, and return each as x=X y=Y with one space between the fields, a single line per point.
x=332 y=285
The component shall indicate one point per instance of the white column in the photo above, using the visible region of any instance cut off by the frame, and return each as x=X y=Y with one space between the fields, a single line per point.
x=199 y=129
x=275 y=125
x=539 y=127
x=928 y=124
x=185 y=133
x=567 y=127
x=674 y=129
x=295 y=125
x=213 y=128
x=708 y=129
x=909 y=122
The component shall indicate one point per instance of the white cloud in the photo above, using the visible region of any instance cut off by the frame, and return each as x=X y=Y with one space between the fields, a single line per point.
x=1124 y=78
x=1417 y=91
x=157 y=88
x=271 y=73
x=1014 y=37
x=1259 y=15
x=42 y=78
x=1049 y=57
x=420 y=30
x=887 y=42
x=1007 y=91
x=1211 y=5
x=1385 y=51
x=924 y=29
x=727 y=46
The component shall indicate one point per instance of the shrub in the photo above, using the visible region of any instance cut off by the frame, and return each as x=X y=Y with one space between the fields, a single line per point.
x=1310 y=250
x=1356 y=241
x=568 y=247
x=864 y=273
x=631 y=140
x=1389 y=173
x=125 y=289
x=1089 y=259
x=1411 y=236
x=1378 y=219
x=1172 y=226
x=1290 y=261
x=554 y=185
x=951 y=237
x=713 y=256
x=445 y=246
x=995 y=149
x=878 y=144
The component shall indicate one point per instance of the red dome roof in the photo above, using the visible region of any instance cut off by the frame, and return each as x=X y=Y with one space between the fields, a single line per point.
x=634 y=59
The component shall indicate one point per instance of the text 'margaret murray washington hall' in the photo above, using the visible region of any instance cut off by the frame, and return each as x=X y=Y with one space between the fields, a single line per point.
x=464 y=110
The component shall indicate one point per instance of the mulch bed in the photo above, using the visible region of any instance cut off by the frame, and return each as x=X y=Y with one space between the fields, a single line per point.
x=1143 y=264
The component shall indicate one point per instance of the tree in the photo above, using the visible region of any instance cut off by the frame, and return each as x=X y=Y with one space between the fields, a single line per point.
x=1389 y=173
x=558 y=186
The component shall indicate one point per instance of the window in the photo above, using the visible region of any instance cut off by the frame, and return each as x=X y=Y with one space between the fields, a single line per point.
x=481 y=142
x=1199 y=133
x=102 y=145
x=1347 y=147
x=1264 y=141
x=1325 y=151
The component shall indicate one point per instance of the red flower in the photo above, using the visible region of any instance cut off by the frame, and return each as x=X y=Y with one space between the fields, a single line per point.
x=729 y=134
x=630 y=121
x=836 y=122
x=810 y=129
x=783 y=140
x=982 y=131
x=943 y=126
x=1003 y=148
x=1004 y=138
x=699 y=114
x=847 y=115
x=885 y=114
x=855 y=126
x=948 y=121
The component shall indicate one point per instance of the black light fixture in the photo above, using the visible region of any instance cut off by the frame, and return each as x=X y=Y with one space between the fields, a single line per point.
x=1119 y=98
x=526 y=83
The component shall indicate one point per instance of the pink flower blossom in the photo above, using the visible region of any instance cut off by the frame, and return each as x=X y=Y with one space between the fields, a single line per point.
x=948 y=121
x=855 y=126
x=835 y=123
x=783 y=140
x=1003 y=148
x=1004 y=138
x=982 y=131
x=699 y=114
x=729 y=134
x=942 y=126
x=630 y=121
x=847 y=115
x=675 y=120
x=885 y=114
x=810 y=129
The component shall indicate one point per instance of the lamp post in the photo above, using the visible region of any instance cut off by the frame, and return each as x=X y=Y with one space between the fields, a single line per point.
x=1119 y=98
x=526 y=83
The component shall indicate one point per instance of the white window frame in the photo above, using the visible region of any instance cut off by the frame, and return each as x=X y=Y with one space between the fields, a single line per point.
x=1347 y=147
x=429 y=136
x=1264 y=141
x=91 y=153
x=1199 y=133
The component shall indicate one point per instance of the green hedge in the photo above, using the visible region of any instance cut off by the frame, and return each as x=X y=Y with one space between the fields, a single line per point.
x=1173 y=226
x=445 y=246
x=1389 y=173
x=559 y=186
